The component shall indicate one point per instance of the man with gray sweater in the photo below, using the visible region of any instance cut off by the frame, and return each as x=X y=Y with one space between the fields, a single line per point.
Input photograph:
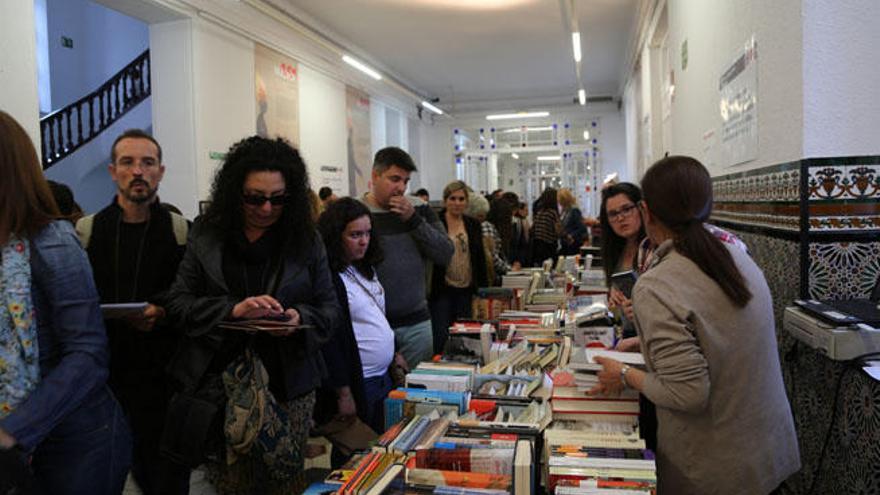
x=411 y=237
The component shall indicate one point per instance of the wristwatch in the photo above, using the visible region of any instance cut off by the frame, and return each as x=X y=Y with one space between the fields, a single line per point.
x=623 y=371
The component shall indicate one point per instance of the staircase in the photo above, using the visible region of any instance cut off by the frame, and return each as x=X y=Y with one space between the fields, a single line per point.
x=67 y=129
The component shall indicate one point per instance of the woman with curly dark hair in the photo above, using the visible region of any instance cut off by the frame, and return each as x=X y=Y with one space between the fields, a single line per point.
x=255 y=254
x=362 y=347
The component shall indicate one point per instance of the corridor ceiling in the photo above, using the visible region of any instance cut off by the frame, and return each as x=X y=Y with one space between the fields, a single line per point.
x=482 y=55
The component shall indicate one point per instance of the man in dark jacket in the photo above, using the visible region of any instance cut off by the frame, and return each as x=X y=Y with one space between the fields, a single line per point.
x=135 y=245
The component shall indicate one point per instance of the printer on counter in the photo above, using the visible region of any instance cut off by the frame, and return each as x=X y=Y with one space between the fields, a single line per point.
x=841 y=330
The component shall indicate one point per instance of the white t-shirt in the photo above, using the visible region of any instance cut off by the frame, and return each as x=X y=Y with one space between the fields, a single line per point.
x=366 y=305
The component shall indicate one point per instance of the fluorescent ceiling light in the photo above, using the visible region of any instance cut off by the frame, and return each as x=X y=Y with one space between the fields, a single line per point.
x=520 y=115
x=432 y=108
x=515 y=156
x=357 y=64
x=528 y=129
x=549 y=158
x=576 y=44
x=586 y=135
x=582 y=96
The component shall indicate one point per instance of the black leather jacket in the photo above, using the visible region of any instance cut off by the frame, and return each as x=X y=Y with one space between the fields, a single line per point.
x=200 y=299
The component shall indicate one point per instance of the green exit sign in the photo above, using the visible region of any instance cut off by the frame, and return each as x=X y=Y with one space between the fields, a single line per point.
x=66 y=42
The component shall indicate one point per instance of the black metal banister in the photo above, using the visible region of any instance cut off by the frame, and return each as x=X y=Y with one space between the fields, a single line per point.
x=113 y=99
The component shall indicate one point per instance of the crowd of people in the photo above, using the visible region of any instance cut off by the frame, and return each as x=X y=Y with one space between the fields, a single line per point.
x=160 y=380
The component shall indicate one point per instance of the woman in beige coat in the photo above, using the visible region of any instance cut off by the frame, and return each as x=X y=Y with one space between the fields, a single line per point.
x=705 y=320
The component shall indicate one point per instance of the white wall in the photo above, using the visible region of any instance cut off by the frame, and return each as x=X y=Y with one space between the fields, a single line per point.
x=322 y=131
x=715 y=32
x=225 y=107
x=18 y=66
x=377 y=125
x=437 y=164
x=841 y=71
x=104 y=41
x=173 y=103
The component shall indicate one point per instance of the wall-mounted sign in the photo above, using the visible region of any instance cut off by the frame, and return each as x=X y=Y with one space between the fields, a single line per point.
x=738 y=107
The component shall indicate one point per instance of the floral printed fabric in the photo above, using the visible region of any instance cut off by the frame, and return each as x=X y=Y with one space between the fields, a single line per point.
x=19 y=356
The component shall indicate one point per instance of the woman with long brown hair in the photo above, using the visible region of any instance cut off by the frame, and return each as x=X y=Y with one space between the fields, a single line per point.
x=55 y=405
x=546 y=229
x=705 y=322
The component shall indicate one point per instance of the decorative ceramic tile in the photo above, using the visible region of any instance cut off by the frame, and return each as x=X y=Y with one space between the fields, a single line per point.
x=849 y=464
x=845 y=223
x=774 y=185
x=840 y=269
x=864 y=181
x=827 y=182
x=759 y=219
x=843 y=270
x=844 y=182
x=777 y=258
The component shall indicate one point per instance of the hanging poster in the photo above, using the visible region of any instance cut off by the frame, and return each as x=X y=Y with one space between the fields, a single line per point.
x=738 y=107
x=277 y=93
x=360 y=157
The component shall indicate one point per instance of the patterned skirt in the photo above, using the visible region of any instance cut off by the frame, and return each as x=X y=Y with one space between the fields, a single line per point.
x=250 y=475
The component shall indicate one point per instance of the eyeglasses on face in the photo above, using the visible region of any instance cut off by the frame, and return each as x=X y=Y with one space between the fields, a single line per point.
x=625 y=212
x=260 y=200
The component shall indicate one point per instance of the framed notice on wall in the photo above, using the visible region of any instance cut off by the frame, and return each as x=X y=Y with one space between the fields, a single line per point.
x=738 y=107
x=276 y=81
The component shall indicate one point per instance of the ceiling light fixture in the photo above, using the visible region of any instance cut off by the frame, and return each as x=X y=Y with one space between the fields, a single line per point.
x=366 y=69
x=582 y=96
x=527 y=129
x=549 y=158
x=432 y=108
x=576 y=45
x=520 y=115
x=515 y=156
x=586 y=135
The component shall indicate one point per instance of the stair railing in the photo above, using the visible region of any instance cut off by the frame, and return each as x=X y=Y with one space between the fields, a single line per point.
x=67 y=129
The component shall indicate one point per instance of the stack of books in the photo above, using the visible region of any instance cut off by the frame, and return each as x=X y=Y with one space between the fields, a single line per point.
x=573 y=403
x=404 y=403
x=491 y=301
x=580 y=461
x=448 y=377
x=488 y=466
x=374 y=474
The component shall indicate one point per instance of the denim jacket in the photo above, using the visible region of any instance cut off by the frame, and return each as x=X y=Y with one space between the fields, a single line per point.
x=71 y=336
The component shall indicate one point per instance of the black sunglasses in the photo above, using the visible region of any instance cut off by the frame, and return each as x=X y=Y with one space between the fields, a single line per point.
x=260 y=200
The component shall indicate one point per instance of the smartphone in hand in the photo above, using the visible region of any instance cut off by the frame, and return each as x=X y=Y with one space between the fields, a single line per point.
x=624 y=282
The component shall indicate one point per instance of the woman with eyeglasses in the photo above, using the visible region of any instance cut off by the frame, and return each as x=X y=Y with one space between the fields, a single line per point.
x=255 y=254
x=705 y=319
x=622 y=232
x=454 y=285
